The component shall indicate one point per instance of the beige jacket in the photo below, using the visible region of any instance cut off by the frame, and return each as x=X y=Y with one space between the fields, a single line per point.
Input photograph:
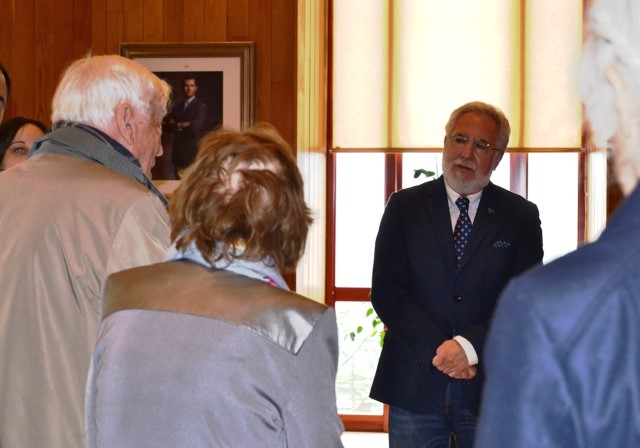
x=66 y=223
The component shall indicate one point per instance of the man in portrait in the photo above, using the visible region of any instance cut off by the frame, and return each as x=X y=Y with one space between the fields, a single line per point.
x=186 y=121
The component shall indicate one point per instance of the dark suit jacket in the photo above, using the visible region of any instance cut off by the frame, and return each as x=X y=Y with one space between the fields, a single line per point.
x=562 y=358
x=424 y=299
x=185 y=141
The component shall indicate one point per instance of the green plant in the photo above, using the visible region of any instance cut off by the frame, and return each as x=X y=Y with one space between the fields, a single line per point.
x=419 y=171
x=376 y=325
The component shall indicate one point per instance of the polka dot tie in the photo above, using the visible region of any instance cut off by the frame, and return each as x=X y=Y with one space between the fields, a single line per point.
x=463 y=228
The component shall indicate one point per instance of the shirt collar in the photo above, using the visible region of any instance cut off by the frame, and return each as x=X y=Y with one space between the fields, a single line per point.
x=452 y=196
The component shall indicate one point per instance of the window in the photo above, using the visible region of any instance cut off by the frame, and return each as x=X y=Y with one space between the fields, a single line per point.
x=399 y=67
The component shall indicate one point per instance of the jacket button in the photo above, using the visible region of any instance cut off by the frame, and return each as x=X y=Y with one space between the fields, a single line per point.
x=457 y=299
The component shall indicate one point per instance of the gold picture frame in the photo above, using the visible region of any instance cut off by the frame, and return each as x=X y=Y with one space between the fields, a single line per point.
x=226 y=70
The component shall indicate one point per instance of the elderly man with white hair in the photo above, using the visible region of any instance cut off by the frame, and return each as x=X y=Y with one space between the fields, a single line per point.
x=78 y=209
x=563 y=355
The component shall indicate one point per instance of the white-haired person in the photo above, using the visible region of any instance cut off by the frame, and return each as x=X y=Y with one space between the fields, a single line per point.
x=78 y=209
x=563 y=356
x=210 y=348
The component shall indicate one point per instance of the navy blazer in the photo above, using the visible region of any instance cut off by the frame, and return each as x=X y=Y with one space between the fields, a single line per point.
x=562 y=358
x=423 y=298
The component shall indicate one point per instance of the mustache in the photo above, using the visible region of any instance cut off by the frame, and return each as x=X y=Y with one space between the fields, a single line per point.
x=465 y=163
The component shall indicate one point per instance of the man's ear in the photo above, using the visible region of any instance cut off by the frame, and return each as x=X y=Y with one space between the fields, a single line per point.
x=125 y=124
x=497 y=160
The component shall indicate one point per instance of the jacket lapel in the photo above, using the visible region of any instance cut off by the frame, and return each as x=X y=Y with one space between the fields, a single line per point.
x=437 y=208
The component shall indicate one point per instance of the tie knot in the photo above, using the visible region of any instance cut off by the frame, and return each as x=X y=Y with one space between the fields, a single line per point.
x=463 y=204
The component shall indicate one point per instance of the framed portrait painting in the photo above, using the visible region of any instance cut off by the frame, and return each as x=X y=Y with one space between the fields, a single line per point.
x=213 y=86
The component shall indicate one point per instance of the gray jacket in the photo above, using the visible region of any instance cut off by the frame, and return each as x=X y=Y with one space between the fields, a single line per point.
x=190 y=356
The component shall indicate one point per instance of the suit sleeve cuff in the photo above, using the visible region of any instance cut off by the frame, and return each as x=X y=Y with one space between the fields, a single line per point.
x=472 y=356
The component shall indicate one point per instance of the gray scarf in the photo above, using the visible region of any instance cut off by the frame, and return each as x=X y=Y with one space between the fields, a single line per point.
x=83 y=141
x=260 y=270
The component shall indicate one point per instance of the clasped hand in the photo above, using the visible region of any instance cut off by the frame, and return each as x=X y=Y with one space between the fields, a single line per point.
x=451 y=360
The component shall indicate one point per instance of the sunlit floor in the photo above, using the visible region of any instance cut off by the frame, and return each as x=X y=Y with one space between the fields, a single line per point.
x=365 y=440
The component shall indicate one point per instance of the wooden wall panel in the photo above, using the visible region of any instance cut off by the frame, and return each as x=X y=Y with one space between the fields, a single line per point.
x=43 y=53
x=260 y=30
x=23 y=93
x=284 y=42
x=98 y=44
x=7 y=39
x=283 y=117
x=216 y=26
x=67 y=33
x=82 y=28
x=153 y=20
x=173 y=19
x=238 y=20
x=7 y=34
x=115 y=24
x=134 y=19
x=284 y=46
x=194 y=20
x=39 y=38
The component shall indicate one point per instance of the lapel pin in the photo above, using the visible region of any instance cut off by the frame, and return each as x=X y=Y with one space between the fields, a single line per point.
x=490 y=211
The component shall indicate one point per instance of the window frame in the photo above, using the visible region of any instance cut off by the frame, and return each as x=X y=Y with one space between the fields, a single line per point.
x=393 y=182
x=518 y=159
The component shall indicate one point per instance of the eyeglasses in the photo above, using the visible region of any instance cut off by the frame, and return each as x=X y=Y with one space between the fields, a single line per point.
x=480 y=146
